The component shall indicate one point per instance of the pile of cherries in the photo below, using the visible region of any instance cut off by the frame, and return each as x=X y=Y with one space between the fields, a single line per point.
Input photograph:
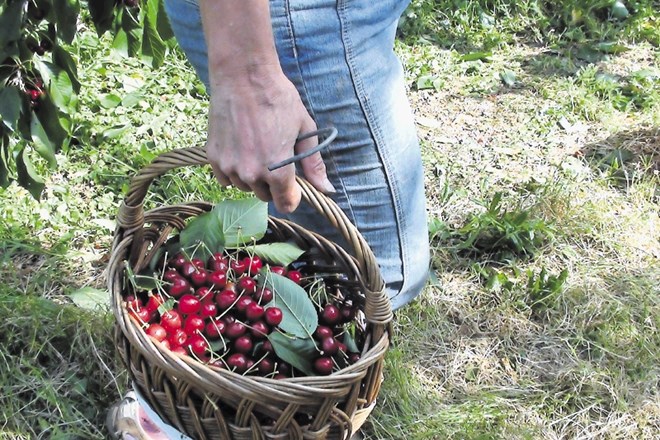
x=215 y=311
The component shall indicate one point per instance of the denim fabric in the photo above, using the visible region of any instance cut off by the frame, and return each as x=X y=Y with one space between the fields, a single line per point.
x=339 y=54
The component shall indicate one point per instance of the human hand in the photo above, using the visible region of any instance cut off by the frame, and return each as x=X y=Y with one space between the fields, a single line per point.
x=254 y=120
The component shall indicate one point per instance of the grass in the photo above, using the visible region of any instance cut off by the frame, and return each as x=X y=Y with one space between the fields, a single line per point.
x=541 y=154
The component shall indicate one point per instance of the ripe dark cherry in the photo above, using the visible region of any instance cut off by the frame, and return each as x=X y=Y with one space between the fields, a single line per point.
x=198 y=263
x=243 y=344
x=322 y=332
x=194 y=324
x=178 y=261
x=34 y=94
x=353 y=357
x=171 y=320
x=329 y=346
x=217 y=279
x=294 y=275
x=177 y=338
x=284 y=368
x=157 y=332
x=170 y=275
x=266 y=366
x=205 y=294
x=347 y=313
x=330 y=314
x=179 y=287
x=254 y=311
x=237 y=362
x=188 y=269
x=263 y=296
x=278 y=270
x=323 y=365
x=225 y=299
x=243 y=303
x=209 y=310
x=217 y=262
x=239 y=267
x=235 y=330
x=199 y=278
x=273 y=316
x=342 y=347
x=254 y=264
x=215 y=328
x=259 y=330
x=247 y=285
x=198 y=345
x=189 y=304
x=267 y=347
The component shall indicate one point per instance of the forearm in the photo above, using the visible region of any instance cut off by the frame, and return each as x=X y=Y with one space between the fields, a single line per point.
x=239 y=38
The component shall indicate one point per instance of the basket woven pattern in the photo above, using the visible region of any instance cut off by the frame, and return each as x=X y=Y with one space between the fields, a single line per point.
x=210 y=403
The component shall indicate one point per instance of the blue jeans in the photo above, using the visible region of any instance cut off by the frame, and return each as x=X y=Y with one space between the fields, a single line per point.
x=339 y=54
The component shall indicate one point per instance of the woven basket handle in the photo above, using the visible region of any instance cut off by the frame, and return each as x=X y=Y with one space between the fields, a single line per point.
x=131 y=220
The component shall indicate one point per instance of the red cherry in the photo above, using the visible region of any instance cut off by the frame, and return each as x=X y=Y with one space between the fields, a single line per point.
x=215 y=328
x=294 y=275
x=217 y=279
x=265 y=366
x=177 y=338
x=154 y=301
x=179 y=287
x=239 y=266
x=278 y=270
x=193 y=324
x=218 y=262
x=254 y=311
x=209 y=310
x=34 y=94
x=243 y=344
x=199 y=278
x=237 y=362
x=198 y=263
x=259 y=330
x=142 y=315
x=205 y=294
x=235 y=330
x=273 y=316
x=157 y=332
x=254 y=264
x=322 y=332
x=330 y=314
x=171 y=320
x=189 y=304
x=347 y=313
x=267 y=347
x=264 y=296
x=353 y=358
x=225 y=299
x=247 y=285
x=198 y=344
x=329 y=346
x=243 y=303
x=170 y=275
x=323 y=365
x=133 y=303
x=166 y=344
x=178 y=261
x=188 y=269
x=342 y=347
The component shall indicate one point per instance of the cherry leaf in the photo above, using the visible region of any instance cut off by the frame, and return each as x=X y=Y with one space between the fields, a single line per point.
x=278 y=253
x=298 y=312
x=203 y=234
x=242 y=220
x=296 y=351
x=350 y=343
x=90 y=298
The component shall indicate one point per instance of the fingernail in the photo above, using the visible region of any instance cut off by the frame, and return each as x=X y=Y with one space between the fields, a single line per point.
x=327 y=187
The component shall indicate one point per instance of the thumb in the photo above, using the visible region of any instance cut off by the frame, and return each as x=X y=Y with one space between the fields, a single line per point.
x=313 y=166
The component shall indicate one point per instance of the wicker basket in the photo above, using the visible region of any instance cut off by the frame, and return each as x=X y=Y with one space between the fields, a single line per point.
x=210 y=403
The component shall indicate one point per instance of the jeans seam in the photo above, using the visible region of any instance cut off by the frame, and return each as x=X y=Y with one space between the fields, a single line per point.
x=377 y=135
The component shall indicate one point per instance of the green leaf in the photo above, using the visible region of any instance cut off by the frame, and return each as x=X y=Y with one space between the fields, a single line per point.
x=206 y=230
x=28 y=177
x=10 y=106
x=166 y=306
x=297 y=352
x=114 y=132
x=242 y=220
x=66 y=12
x=63 y=59
x=153 y=48
x=41 y=142
x=508 y=77
x=102 y=13
x=476 y=56
x=59 y=84
x=11 y=20
x=426 y=82
x=351 y=346
x=163 y=23
x=109 y=101
x=4 y=160
x=610 y=47
x=278 y=253
x=298 y=312
x=90 y=298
